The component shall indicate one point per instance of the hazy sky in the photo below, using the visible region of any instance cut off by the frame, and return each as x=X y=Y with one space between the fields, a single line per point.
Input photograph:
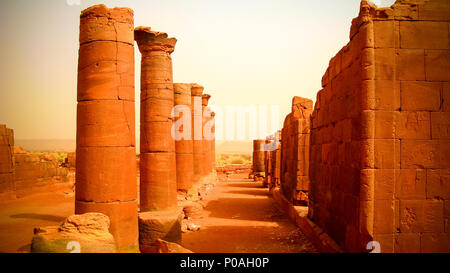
x=243 y=52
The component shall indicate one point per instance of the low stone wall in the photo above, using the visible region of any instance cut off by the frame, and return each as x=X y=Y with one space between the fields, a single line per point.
x=34 y=172
x=234 y=169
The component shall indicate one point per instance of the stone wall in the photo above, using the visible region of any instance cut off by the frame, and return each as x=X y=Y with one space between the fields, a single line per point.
x=23 y=173
x=6 y=160
x=380 y=149
x=295 y=152
x=38 y=172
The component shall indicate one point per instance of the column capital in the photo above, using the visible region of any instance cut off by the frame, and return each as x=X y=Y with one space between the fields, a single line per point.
x=205 y=99
x=182 y=88
x=149 y=40
x=196 y=89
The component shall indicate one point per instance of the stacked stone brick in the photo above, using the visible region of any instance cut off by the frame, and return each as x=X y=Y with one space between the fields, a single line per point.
x=6 y=160
x=106 y=169
x=380 y=147
x=295 y=152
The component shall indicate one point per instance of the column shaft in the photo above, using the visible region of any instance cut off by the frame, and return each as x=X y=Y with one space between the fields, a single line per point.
x=197 y=130
x=184 y=147
x=158 y=161
x=106 y=153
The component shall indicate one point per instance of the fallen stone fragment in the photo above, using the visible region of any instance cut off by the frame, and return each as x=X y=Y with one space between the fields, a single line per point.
x=192 y=210
x=165 y=225
x=193 y=227
x=168 y=247
x=85 y=233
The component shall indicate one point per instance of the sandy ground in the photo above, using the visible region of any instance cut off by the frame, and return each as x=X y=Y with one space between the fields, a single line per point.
x=242 y=218
x=18 y=218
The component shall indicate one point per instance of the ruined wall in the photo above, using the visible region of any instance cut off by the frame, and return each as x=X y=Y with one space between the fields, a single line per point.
x=70 y=161
x=295 y=151
x=6 y=160
x=23 y=173
x=380 y=148
x=38 y=172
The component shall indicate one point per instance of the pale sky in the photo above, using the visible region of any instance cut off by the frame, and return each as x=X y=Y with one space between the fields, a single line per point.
x=243 y=51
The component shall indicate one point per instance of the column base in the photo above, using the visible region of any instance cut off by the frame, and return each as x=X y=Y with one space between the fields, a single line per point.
x=154 y=225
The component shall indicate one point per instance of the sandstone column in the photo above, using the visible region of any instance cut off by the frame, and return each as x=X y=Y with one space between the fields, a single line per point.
x=197 y=129
x=206 y=143
x=183 y=146
x=106 y=153
x=158 y=183
x=258 y=158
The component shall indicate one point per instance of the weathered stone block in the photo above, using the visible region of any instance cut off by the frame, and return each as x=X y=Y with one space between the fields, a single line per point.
x=440 y=125
x=158 y=169
x=437 y=63
x=420 y=96
x=421 y=216
x=420 y=154
x=386 y=33
x=88 y=231
x=387 y=153
x=105 y=123
x=123 y=217
x=387 y=95
x=384 y=216
x=438 y=184
x=414 y=125
x=407 y=243
x=435 y=243
x=411 y=184
x=98 y=23
x=164 y=225
x=384 y=180
x=160 y=139
x=447 y=215
x=385 y=124
x=446 y=97
x=385 y=63
x=422 y=34
x=410 y=64
x=100 y=180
